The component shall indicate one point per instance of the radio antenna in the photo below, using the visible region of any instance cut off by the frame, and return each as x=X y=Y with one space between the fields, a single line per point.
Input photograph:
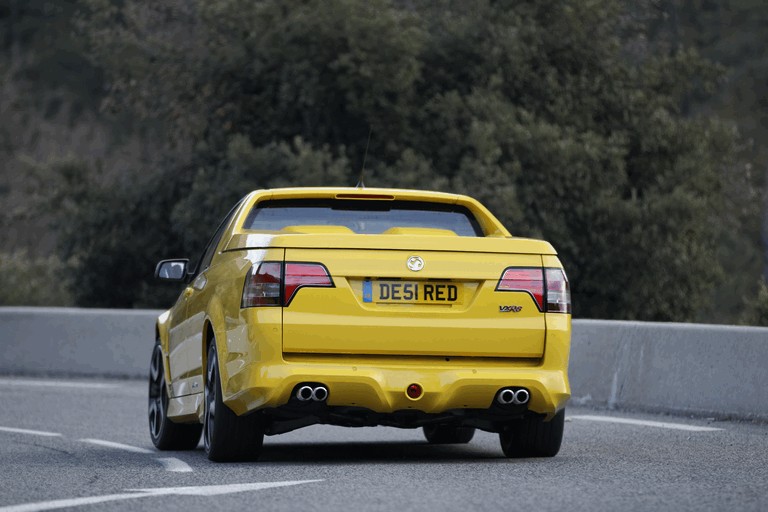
x=360 y=183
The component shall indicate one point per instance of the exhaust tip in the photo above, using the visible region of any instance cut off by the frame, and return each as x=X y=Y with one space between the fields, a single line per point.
x=506 y=396
x=522 y=396
x=319 y=394
x=304 y=393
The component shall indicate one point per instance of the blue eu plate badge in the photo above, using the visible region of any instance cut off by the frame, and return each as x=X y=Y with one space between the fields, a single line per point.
x=367 y=291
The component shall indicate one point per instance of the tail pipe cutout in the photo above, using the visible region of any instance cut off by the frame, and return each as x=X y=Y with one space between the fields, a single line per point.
x=311 y=393
x=513 y=396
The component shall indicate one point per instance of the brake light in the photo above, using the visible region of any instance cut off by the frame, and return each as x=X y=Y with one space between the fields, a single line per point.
x=378 y=197
x=548 y=287
x=299 y=275
x=268 y=285
x=530 y=280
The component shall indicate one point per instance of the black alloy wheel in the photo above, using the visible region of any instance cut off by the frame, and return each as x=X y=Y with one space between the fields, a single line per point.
x=227 y=436
x=165 y=434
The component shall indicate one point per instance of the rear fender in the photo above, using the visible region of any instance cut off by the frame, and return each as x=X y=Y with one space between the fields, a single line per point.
x=214 y=327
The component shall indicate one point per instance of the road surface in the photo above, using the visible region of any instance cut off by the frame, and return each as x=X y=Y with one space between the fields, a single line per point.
x=84 y=445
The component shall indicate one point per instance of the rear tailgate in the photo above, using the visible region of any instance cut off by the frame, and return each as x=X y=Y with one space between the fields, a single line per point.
x=450 y=307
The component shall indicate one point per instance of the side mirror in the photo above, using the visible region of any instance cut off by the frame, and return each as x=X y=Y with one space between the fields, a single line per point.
x=172 y=270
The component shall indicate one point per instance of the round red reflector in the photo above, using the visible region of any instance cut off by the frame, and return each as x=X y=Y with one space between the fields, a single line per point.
x=414 y=391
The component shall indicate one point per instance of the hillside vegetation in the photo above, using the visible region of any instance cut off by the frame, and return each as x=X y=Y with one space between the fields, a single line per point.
x=625 y=134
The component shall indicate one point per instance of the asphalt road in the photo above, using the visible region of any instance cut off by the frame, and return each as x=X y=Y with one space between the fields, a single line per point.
x=75 y=444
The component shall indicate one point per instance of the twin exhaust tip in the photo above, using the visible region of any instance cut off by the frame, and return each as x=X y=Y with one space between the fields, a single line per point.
x=509 y=396
x=314 y=393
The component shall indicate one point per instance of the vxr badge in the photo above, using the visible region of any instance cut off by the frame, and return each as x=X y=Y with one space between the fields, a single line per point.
x=510 y=309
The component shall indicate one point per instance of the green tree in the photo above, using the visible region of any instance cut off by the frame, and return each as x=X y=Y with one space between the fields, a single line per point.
x=546 y=111
x=756 y=310
x=728 y=32
x=34 y=281
x=113 y=232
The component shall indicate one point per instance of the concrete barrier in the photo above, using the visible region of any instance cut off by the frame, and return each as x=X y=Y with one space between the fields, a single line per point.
x=683 y=368
x=699 y=369
x=74 y=341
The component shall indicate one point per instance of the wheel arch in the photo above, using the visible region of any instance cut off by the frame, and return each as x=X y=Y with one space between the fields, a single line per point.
x=208 y=337
x=161 y=330
x=214 y=330
x=161 y=338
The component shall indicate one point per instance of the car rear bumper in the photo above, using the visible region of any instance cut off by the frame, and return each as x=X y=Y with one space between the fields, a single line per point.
x=381 y=388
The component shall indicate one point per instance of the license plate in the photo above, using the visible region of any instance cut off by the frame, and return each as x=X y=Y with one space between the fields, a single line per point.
x=412 y=292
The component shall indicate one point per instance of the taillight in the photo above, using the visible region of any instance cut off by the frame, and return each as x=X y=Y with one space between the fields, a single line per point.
x=299 y=275
x=558 y=291
x=548 y=287
x=268 y=285
x=530 y=280
x=264 y=286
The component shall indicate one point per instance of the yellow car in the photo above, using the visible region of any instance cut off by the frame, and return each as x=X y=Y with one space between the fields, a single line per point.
x=362 y=307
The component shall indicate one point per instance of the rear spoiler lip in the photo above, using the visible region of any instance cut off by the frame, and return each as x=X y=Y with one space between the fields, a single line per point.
x=436 y=243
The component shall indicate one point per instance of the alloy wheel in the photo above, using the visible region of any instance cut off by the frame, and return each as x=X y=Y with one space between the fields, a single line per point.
x=157 y=394
x=210 y=398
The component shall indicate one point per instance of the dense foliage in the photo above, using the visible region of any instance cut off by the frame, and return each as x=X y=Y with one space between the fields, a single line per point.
x=558 y=115
x=756 y=312
x=33 y=281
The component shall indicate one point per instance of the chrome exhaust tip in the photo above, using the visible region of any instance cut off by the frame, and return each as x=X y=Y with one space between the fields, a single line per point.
x=522 y=396
x=319 y=394
x=304 y=393
x=506 y=396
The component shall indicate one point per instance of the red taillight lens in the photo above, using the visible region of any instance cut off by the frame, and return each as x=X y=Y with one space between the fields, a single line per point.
x=558 y=291
x=530 y=280
x=298 y=275
x=548 y=287
x=267 y=286
x=263 y=287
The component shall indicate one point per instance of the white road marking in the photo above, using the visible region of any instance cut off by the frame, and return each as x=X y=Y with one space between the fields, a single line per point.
x=56 y=384
x=74 y=502
x=215 y=490
x=175 y=465
x=211 y=490
x=30 y=432
x=169 y=463
x=117 y=446
x=644 y=423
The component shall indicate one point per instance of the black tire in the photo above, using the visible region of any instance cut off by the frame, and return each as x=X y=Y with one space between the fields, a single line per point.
x=446 y=434
x=533 y=437
x=227 y=436
x=165 y=434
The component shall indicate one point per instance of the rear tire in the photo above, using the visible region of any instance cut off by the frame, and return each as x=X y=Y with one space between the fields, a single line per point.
x=227 y=436
x=165 y=434
x=446 y=434
x=532 y=437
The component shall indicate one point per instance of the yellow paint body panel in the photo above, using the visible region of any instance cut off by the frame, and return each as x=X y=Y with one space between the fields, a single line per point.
x=367 y=353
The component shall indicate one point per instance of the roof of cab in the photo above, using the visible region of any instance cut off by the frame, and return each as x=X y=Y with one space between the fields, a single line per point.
x=490 y=225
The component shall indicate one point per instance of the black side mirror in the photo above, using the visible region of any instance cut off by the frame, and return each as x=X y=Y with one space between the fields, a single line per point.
x=172 y=270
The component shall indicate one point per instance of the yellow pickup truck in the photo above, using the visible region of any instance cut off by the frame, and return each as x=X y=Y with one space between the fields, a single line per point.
x=362 y=307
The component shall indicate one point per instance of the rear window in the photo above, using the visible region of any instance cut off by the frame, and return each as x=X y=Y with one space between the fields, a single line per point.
x=362 y=216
